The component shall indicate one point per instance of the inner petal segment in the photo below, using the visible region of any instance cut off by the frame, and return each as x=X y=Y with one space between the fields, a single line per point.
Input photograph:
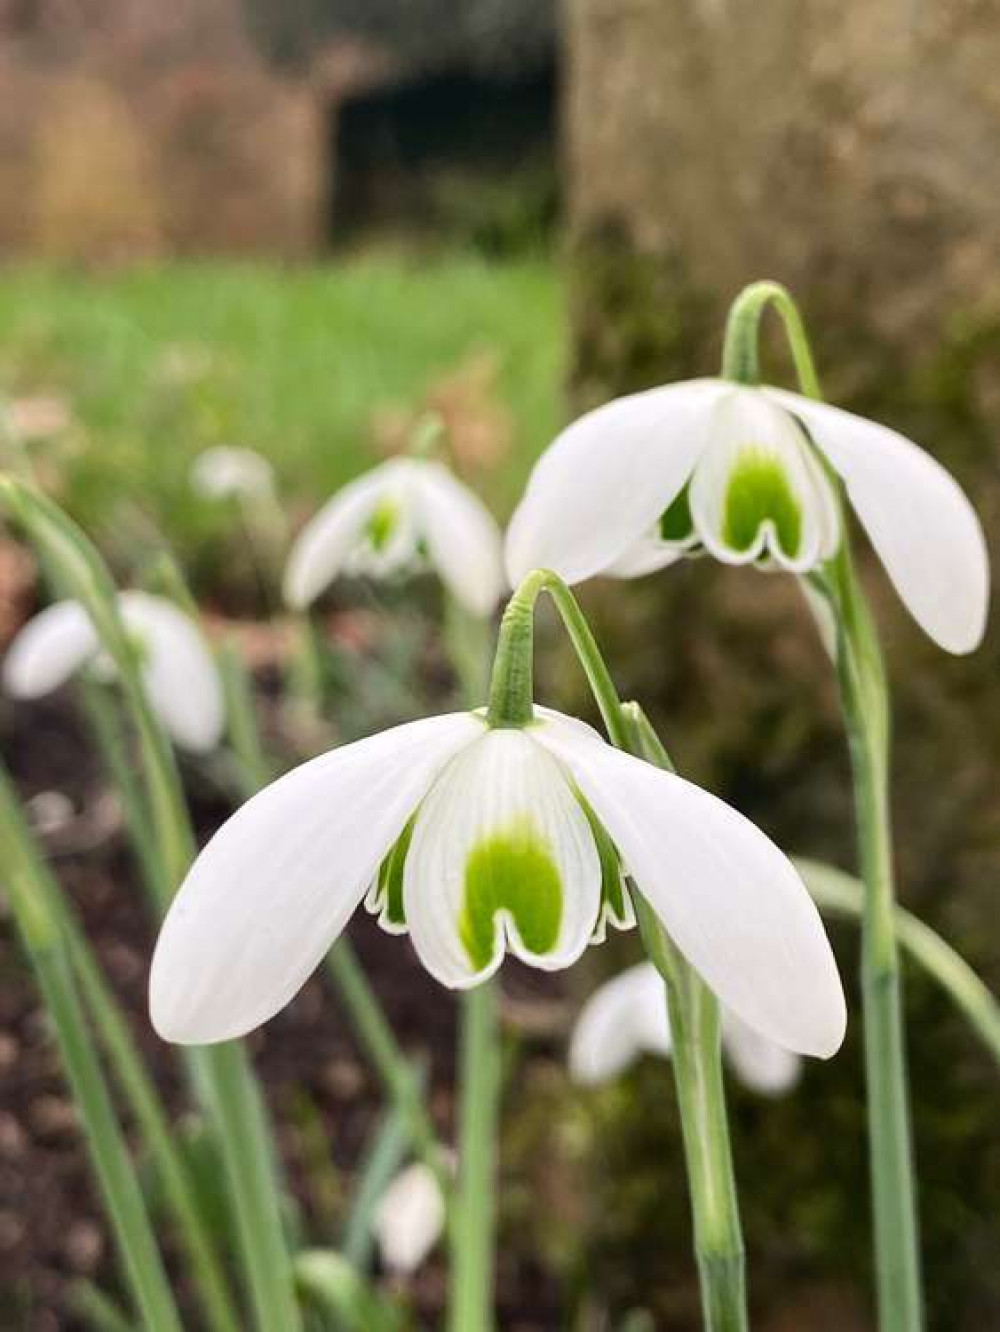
x=511 y=872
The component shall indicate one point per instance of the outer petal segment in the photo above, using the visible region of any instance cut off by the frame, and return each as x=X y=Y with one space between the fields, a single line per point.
x=502 y=854
x=48 y=650
x=462 y=537
x=624 y=1018
x=761 y=1065
x=607 y=478
x=917 y=516
x=279 y=881
x=179 y=671
x=730 y=900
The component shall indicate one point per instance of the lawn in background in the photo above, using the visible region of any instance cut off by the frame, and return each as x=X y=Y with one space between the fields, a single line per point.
x=155 y=364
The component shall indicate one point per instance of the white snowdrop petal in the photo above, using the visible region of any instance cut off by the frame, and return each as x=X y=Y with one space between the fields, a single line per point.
x=757 y=491
x=321 y=550
x=624 y=1018
x=278 y=882
x=607 y=479
x=764 y=1067
x=178 y=669
x=501 y=852
x=730 y=900
x=462 y=537
x=645 y=556
x=48 y=650
x=409 y=1219
x=918 y=518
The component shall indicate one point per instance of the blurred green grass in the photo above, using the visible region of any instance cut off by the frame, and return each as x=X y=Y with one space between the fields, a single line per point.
x=158 y=363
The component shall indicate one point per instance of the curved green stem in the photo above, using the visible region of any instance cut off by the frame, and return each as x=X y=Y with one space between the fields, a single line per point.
x=740 y=359
x=834 y=890
x=512 y=686
x=694 y=1010
x=865 y=707
x=695 y=1026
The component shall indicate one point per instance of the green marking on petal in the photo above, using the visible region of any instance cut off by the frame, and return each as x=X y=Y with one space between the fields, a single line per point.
x=390 y=879
x=676 y=523
x=759 y=490
x=512 y=870
x=382 y=523
x=614 y=905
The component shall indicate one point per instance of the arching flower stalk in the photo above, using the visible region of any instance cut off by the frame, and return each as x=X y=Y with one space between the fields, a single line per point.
x=513 y=828
x=178 y=671
x=758 y=475
x=628 y=1016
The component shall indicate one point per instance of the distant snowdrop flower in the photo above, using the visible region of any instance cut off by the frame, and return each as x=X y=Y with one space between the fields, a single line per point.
x=480 y=839
x=628 y=1016
x=409 y=1219
x=740 y=472
x=404 y=514
x=227 y=472
x=179 y=673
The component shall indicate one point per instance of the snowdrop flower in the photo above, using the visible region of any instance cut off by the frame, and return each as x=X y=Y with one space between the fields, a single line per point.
x=409 y=1219
x=628 y=1016
x=178 y=669
x=226 y=472
x=741 y=473
x=404 y=514
x=478 y=840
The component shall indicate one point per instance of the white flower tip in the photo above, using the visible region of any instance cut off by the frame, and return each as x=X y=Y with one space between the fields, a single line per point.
x=296 y=589
x=17 y=681
x=47 y=651
x=824 y=1033
x=409 y=1219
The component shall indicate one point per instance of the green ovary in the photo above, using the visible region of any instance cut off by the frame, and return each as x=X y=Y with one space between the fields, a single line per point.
x=759 y=490
x=382 y=524
x=511 y=871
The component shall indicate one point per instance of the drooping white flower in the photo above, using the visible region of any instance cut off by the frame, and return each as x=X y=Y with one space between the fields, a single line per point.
x=401 y=515
x=228 y=472
x=409 y=1218
x=479 y=840
x=739 y=472
x=628 y=1016
x=179 y=673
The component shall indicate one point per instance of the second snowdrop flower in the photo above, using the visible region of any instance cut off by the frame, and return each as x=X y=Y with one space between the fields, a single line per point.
x=740 y=472
x=178 y=670
x=628 y=1016
x=403 y=515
